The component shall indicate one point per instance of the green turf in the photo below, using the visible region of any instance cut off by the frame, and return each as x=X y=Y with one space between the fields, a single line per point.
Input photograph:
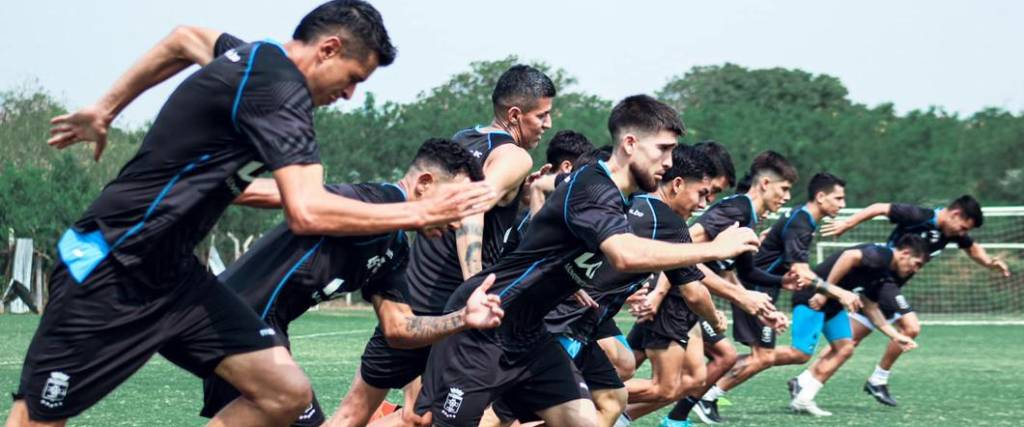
x=961 y=375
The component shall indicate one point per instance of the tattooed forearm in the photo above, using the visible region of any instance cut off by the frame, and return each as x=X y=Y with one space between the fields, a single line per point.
x=425 y=330
x=470 y=246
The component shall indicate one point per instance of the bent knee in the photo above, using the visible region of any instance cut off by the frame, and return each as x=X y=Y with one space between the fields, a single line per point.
x=290 y=394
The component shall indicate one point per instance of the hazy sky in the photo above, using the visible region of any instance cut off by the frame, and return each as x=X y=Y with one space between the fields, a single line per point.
x=961 y=55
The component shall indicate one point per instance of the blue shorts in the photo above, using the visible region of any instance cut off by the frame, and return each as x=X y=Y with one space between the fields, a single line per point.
x=809 y=324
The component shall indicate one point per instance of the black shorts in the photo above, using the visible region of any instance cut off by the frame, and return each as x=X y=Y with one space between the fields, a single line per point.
x=672 y=323
x=892 y=301
x=218 y=393
x=467 y=371
x=386 y=368
x=607 y=329
x=750 y=331
x=591 y=362
x=709 y=335
x=96 y=334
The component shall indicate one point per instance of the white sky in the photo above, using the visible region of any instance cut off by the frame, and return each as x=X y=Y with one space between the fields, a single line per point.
x=960 y=55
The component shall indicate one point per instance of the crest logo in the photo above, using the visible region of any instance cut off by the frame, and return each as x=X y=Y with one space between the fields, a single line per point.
x=55 y=389
x=453 y=402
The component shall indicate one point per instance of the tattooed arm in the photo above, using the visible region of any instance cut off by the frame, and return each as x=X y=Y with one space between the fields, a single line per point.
x=404 y=329
x=469 y=243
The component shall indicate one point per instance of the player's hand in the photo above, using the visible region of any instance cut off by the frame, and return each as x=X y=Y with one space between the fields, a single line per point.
x=998 y=264
x=775 y=320
x=834 y=228
x=795 y=279
x=583 y=298
x=906 y=343
x=456 y=201
x=754 y=302
x=410 y=417
x=483 y=310
x=764 y=234
x=719 y=323
x=734 y=241
x=850 y=301
x=817 y=302
x=88 y=124
x=537 y=174
x=641 y=306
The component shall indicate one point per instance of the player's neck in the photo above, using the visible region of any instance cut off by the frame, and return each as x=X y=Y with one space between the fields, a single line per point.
x=816 y=211
x=407 y=184
x=498 y=125
x=618 y=168
x=760 y=207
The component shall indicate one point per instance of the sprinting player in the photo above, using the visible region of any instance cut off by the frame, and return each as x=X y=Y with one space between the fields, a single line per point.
x=659 y=215
x=285 y=274
x=521 y=361
x=129 y=284
x=521 y=101
x=867 y=269
x=939 y=227
x=764 y=190
x=784 y=249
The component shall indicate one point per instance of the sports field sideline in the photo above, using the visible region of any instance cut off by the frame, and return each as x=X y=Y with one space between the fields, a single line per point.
x=961 y=375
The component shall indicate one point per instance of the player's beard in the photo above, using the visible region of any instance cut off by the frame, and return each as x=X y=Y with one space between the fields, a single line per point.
x=644 y=180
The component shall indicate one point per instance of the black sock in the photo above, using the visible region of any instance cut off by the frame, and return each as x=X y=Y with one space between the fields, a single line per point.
x=682 y=408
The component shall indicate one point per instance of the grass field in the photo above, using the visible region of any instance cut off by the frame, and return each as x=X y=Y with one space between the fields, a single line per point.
x=961 y=375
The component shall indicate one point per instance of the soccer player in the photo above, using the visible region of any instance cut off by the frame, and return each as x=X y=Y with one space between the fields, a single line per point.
x=764 y=189
x=521 y=101
x=285 y=274
x=867 y=269
x=660 y=215
x=939 y=227
x=129 y=285
x=520 y=361
x=784 y=249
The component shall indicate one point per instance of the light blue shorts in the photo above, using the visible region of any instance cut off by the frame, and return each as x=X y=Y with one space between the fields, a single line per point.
x=809 y=324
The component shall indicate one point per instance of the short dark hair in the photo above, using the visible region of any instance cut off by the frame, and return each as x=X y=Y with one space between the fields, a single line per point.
x=567 y=145
x=772 y=162
x=521 y=86
x=447 y=156
x=823 y=182
x=917 y=245
x=720 y=157
x=643 y=113
x=970 y=208
x=356 y=21
x=689 y=163
x=593 y=156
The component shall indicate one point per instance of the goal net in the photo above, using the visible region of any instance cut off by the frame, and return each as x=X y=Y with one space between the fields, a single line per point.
x=951 y=287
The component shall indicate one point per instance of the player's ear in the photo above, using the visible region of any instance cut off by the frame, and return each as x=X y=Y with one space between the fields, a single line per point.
x=628 y=142
x=514 y=115
x=329 y=47
x=678 y=185
x=424 y=182
x=565 y=166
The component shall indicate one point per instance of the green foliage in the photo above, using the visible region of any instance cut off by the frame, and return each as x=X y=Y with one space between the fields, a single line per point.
x=923 y=156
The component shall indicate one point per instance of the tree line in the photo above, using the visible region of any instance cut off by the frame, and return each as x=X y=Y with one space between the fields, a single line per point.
x=924 y=156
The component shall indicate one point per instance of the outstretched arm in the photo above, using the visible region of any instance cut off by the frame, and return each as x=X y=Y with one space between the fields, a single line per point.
x=630 y=253
x=980 y=256
x=181 y=48
x=837 y=228
x=403 y=329
x=312 y=210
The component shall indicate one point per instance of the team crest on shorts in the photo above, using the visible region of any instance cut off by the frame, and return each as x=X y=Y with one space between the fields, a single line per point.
x=453 y=402
x=766 y=334
x=55 y=389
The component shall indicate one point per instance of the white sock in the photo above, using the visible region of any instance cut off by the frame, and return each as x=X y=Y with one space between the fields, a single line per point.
x=809 y=386
x=713 y=393
x=879 y=377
